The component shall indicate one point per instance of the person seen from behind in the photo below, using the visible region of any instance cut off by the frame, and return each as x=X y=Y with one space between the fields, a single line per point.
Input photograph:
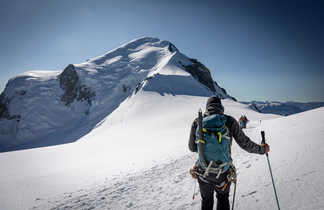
x=214 y=169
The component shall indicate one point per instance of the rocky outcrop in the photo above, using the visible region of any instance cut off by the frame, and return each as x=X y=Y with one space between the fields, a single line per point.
x=225 y=92
x=3 y=108
x=141 y=84
x=74 y=90
x=172 y=48
x=201 y=73
x=69 y=81
x=4 y=112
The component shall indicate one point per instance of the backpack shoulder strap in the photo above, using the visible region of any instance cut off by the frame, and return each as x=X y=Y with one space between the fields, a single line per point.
x=200 y=139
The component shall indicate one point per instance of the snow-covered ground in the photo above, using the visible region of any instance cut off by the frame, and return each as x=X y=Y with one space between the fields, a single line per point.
x=138 y=159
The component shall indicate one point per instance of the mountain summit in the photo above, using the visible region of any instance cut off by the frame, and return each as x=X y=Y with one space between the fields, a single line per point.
x=71 y=102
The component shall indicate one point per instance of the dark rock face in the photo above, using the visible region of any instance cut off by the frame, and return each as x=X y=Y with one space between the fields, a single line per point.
x=125 y=88
x=201 y=73
x=140 y=85
x=4 y=112
x=69 y=81
x=85 y=93
x=3 y=108
x=223 y=89
x=172 y=48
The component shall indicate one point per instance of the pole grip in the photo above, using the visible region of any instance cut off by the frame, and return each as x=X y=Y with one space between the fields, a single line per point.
x=263 y=137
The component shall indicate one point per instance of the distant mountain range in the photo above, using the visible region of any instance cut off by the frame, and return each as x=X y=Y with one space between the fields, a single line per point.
x=282 y=108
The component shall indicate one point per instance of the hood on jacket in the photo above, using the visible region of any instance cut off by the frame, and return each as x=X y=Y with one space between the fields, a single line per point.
x=214 y=106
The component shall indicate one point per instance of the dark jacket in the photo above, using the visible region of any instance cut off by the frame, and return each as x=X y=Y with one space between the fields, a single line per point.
x=234 y=131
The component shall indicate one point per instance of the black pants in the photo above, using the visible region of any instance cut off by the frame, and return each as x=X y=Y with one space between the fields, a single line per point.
x=207 y=194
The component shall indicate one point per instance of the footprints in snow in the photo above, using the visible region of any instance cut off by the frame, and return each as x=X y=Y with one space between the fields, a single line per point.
x=148 y=188
x=248 y=194
x=247 y=163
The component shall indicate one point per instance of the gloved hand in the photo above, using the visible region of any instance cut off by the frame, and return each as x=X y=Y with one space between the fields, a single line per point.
x=193 y=171
x=266 y=146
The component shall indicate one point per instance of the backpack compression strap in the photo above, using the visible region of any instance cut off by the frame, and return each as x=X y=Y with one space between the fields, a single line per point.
x=200 y=140
x=218 y=134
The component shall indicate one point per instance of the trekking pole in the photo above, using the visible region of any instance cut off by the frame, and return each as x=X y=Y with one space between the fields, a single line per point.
x=194 y=193
x=274 y=187
x=234 y=195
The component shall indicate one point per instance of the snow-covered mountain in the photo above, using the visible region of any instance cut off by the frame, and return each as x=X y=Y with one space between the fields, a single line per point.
x=283 y=108
x=37 y=106
x=132 y=149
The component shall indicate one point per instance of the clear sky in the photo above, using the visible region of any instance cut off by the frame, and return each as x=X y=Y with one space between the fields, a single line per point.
x=256 y=50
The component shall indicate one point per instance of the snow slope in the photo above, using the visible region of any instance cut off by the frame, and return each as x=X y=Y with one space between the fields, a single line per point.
x=296 y=159
x=296 y=164
x=138 y=159
x=147 y=129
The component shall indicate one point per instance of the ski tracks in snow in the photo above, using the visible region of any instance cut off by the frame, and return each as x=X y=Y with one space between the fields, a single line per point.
x=149 y=189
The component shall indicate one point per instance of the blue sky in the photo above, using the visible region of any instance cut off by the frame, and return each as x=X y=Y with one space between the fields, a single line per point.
x=256 y=50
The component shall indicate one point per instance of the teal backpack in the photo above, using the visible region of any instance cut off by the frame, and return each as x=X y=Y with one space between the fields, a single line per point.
x=214 y=143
